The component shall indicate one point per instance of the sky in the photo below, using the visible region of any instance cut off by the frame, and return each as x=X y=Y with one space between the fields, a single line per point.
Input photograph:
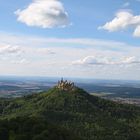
x=63 y=38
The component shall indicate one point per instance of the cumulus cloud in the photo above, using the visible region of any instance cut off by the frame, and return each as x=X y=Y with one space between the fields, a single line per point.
x=12 y=54
x=102 y=60
x=44 y=14
x=123 y=20
x=43 y=56
x=9 y=49
x=22 y=55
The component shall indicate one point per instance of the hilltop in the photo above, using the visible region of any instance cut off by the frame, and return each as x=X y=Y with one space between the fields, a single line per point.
x=68 y=110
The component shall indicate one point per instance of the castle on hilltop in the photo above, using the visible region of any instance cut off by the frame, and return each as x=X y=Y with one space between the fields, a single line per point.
x=65 y=85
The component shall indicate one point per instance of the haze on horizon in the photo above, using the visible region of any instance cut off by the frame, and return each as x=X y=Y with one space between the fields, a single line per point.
x=61 y=38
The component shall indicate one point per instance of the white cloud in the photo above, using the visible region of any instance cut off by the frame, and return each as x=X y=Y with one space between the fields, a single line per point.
x=42 y=56
x=103 y=60
x=123 y=20
x=126 y=4
x=44 y=51
x=137 y=31
x=44 y=13
x=12 y=54
x=9 y=49
x=21 y=55
x=20 y=61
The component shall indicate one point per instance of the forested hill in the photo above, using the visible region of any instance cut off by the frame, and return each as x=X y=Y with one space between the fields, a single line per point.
x=67 y=115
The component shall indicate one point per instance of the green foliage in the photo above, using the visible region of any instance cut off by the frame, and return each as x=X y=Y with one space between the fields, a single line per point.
x=67 y=115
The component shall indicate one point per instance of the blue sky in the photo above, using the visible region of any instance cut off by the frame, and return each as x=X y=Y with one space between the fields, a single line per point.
x=94 y=38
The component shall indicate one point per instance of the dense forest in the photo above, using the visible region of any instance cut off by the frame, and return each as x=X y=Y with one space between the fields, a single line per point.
x=67 y=115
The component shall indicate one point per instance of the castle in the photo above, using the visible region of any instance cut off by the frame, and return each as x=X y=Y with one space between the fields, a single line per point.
x=65 y=85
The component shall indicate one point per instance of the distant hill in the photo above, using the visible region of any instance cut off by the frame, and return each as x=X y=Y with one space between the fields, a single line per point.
x=67 y=115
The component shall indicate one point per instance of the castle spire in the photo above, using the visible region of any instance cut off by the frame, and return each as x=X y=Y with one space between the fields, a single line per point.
x=62 y=79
